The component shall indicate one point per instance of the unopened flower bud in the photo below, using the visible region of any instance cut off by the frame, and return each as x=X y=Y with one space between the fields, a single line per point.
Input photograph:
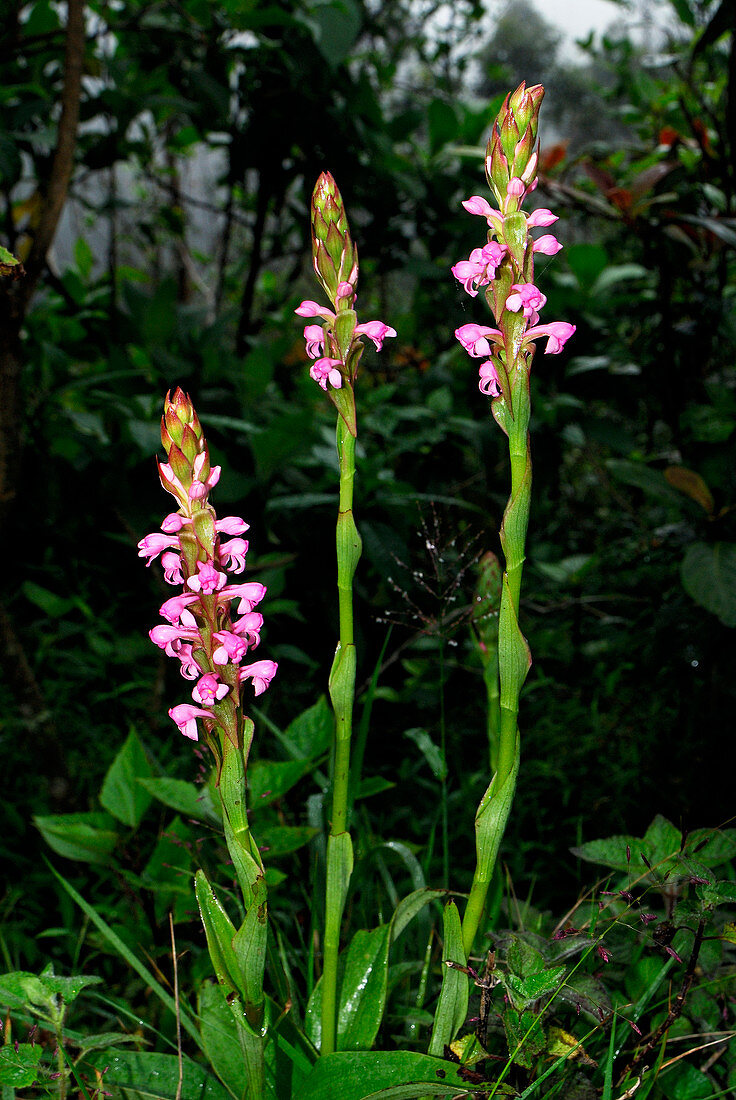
x=334 y=255
x=510 y=153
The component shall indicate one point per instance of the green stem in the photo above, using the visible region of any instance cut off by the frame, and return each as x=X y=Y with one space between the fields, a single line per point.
x=513 y=653
x=342 y=693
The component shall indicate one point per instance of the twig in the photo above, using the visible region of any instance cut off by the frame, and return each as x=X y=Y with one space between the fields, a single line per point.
x=677 y=1005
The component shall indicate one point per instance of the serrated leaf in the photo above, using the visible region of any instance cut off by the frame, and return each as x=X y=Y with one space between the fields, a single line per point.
x=19 y=1064
x=609 y=851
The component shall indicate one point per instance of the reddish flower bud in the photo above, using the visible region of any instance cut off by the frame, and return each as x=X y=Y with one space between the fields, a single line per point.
x=334 y=255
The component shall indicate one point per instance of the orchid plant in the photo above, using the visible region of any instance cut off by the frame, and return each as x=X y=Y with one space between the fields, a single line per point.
x=212 y=644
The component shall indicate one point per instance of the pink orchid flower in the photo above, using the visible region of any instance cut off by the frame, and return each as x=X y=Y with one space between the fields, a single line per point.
x=489 y=381
x=232 y=554
x=208 y=579
x=480 y=268
x=527 y=297
x=375 y=331
x=559 y=332
x=172 y=568
x=151 y=546
x=231 y=648
x=185 y=716
x=327 y=370
x=547 y=245
x=232 y=525
x=474 y=339
x=250 y=593
x=209 y=690
x=173 y=608
x=260 y=672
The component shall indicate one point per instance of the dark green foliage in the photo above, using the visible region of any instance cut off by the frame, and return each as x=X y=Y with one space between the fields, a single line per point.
x=628 y=603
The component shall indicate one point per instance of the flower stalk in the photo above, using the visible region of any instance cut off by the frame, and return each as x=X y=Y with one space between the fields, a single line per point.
x=504 y=268
x=210 y=644
x=335 y=346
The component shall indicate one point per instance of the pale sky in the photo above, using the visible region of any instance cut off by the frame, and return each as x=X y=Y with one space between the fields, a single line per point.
x=576 y=18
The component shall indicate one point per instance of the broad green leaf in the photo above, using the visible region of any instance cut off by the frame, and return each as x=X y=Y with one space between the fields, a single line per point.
x=67 y=988
x=362 y=992
x=310 y=734
x=523 y=959
x=524 y=1037
x=269 y=780
x=452 y=1006
x=19 y=1065
x=21 y=989
x=708 y=573
x=88 y=837
x=52 y=605
x=222 y=1039
x=366 y=1075
x=281 y=840
x=156 y=1076
x=179 y=795
x=684 y=1082
x=713 y=846
x=661 y=840
x=121 y=794
x=525 y=990
x=644 y=477
x=610 y=851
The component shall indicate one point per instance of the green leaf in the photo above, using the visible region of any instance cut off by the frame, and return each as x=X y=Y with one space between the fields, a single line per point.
x=452 y=1006
x=87 y=837
x=19 y=1065
x=708 y=573
x=220 y=933
x=366 y=1075
x=269 y=780
x=335 y=24
x=281 y=840
x=67 y=988
x=221 y=1039
x=121 y=795
x=524 y=1037
x=684 y=1082
x=156 y=1076
x=525 y=990
x=56 y=607
x=644 y=477
x=409 y=906
x=310 y=734
x=523 y=959
x=179 y=795
x=661 y=841
x=610 y=851
x=429 y=751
